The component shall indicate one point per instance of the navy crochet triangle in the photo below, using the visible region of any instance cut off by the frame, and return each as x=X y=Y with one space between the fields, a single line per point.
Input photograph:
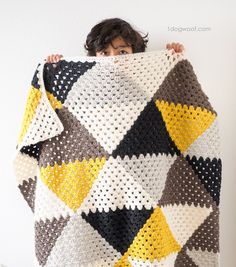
x=118 y=227
x=209 y=172
x=148 y=134
x=32 y=150
x=59 y=81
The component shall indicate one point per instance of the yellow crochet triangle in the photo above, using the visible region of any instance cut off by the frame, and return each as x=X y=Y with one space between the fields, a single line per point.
x=153 y=241
x=32 y=102
x=71 y=182
x=184 y=123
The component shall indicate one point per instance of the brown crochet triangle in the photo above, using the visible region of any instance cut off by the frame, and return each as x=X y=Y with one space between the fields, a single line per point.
x=181 y=86
x=183 y=186
x=206 y=237
x=46 y=234
x=75 y=140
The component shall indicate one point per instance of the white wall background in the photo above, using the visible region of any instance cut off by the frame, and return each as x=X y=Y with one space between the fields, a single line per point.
x=30 y=30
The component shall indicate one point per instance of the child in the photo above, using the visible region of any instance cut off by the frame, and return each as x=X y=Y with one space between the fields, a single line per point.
x=113 y=37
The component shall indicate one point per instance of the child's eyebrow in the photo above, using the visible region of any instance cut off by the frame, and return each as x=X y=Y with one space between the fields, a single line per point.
x=123 y=46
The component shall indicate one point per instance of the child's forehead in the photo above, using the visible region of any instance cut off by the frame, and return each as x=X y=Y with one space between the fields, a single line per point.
x=119 y=43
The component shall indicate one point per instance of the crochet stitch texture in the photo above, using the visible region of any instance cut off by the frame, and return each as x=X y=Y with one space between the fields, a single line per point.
x=119 y=160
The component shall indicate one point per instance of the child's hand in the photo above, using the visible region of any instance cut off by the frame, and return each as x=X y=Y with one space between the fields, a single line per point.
x=54 y=58
x=178 y=48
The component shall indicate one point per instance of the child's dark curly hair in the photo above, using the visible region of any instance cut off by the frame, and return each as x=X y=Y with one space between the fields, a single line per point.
x=104 y=32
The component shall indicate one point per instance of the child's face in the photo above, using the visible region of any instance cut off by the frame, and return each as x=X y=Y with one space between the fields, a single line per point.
x=117 y=47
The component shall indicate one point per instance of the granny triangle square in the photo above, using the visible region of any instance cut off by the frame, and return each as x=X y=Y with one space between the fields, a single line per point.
x=119 y=160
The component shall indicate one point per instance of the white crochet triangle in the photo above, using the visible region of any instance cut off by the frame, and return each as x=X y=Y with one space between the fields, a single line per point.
x=48 y=205
x=25 y=167
x=115 y=188
x=183 y=220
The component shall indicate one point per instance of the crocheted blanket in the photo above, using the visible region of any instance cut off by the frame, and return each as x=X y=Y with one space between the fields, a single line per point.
x=119 y=160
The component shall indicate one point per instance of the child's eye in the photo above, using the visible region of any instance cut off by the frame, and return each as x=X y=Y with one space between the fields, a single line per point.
x=103 y=52
x=123 y=52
